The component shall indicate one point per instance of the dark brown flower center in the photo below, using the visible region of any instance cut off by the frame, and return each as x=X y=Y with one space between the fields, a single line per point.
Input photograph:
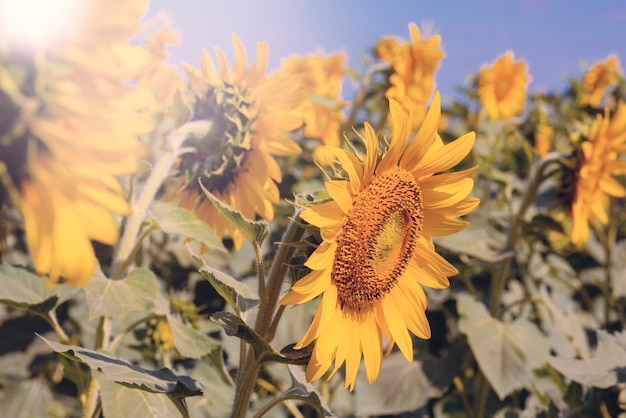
x=222 y=152
x=378 y=238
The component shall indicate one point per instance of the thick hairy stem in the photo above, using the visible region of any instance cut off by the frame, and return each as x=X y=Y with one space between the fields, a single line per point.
x=268 y=300
x=159 y=174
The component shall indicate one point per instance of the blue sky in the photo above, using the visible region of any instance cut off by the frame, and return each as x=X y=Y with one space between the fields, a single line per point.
x=556 y=38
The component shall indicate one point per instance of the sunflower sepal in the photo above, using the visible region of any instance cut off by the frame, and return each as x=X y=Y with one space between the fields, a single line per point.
x=304 y=200
x=254 y=231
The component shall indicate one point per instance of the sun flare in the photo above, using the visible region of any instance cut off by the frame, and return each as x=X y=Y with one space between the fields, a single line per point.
x=37 y=22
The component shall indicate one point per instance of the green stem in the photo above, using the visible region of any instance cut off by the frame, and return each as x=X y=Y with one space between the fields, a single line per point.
x=245 y=384
x=458 y=383
x=481 y=392
x=260 y=269
x=497 y=286
x=159 y=173
x=90 y=406
x=363 y=92
x=514 y=233
x=250 y=366
x=126 y=262
x=265 y=409
x=118 y=339
x=608 y=240
x=271 y=332
x=267 y=306
x=51 y=319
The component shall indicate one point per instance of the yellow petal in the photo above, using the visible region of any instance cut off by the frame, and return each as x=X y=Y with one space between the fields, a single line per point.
x=338 y=190
x=445 y=157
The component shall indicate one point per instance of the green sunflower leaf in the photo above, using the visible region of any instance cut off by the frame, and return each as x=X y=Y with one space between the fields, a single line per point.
x=190 y=342
x=302 y=390
x=254 y=231
x=603 y=368
x=507 y=353
x=218 y=401
x=24 y=290
x=183 y=222
x=478 y=240
x=130 y=375
x=400 y=387
x=28 y=398
x=120 y=401
x=235 y=327
x=237 y=294
x=136 y=292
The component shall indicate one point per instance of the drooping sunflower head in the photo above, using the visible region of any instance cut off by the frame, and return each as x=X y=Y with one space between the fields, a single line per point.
x=502 y=87
x=250 y=115
x=71 y=126
x=599 y=77
x=413 y=67
x=593 y=182
x=377 y=248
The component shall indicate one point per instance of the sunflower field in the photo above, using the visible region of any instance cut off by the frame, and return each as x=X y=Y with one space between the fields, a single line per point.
x=229 y=241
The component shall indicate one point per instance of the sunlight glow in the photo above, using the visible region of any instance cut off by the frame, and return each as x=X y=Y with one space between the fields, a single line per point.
x=36 y=22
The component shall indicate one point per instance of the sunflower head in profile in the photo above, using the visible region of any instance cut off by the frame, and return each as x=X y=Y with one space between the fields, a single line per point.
x=413 y=67
x=592 y=180
x=69 y=125
x=377 y=248
x=599 y=77
x=502 y=87
x=322 y=81
x=250 y=115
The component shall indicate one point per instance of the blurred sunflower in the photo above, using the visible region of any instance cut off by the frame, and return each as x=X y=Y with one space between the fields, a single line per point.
x=502 y=87
x=600 y=76
x=413 y=67
x=543 y=139
x=598 y=163
x=377 y=247
x=69 y=124
x=251 y=114
x=162 y=80
x=322 y=81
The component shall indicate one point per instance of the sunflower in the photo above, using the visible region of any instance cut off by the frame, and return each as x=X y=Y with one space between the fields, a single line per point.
x=600 y=76
x=322 y=79
x=413 y=67
x=251 y=114
x=502 y=87
x=70 y=124
x=598 y=163
x=377 y=247
x=543 y=139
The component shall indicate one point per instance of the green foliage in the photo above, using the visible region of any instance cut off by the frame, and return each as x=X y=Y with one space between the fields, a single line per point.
x=22 y=289
x=127 y=374
x=254 y=231
x=400 y=387
x=120 y=401
x=237 y=294
x=507 y=353
x=135 y=292
x=183 y=222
